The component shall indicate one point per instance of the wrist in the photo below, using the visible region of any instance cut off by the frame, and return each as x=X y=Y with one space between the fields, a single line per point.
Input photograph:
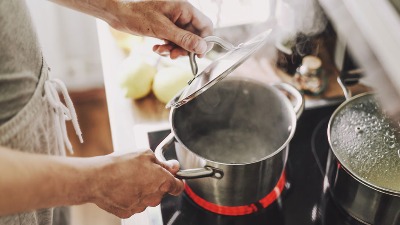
x=104 y=9
x=83 y=180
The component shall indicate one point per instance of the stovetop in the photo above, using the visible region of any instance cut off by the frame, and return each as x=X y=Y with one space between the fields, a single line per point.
x=306 y=199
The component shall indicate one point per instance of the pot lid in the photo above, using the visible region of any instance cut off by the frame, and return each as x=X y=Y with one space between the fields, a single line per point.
x=219 y=68
x=367 y=143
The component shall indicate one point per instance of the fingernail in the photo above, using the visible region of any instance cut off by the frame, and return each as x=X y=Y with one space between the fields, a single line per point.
x=165 y=53
x=168 y=163
x=155 y=48
x=173 y=164
x=162 y=53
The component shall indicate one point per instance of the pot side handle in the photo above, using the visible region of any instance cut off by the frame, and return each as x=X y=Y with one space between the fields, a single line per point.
x=299 y=106
x=182 y=174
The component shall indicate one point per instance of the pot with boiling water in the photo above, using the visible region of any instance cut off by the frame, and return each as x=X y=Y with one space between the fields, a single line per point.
x=364 y=161
x=234 y=140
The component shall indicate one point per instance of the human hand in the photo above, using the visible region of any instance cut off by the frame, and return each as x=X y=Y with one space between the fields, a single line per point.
x=178 y=23
x=125 y=185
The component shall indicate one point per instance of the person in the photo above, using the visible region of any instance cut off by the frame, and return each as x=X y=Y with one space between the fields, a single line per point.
x=34 y=175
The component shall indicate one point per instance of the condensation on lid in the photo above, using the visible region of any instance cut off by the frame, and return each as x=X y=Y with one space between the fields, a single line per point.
x=367 y=142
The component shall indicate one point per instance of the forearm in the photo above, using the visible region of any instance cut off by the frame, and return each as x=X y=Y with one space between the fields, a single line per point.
x=103 y=9
x=33 y=181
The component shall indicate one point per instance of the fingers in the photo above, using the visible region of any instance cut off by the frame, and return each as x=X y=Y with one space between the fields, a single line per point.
x=171 y=165
x=191 y=19
x=177 y=188
x=186 y=40
x=173 y=187
x=138 y=180
x=194 y=22
x=163 y=50
x=184 y=29
x=189 y=41
x=171 y=50
x=201 y=23
x=171 y=184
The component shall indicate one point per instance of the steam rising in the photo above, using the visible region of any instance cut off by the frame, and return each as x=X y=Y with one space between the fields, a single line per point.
x=294 y=19
x=231 y=122
x=289 y=20
x=304 y=17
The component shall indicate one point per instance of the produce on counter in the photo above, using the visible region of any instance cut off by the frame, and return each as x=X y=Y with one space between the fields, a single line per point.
x=140 y=74
x=126 y=41
x=137 y=77
x=169 y=81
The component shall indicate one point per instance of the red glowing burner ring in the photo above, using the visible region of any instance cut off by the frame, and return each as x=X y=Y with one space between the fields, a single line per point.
x=239 y=210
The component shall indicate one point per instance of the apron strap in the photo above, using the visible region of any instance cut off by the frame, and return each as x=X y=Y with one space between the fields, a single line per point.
x=62 y=112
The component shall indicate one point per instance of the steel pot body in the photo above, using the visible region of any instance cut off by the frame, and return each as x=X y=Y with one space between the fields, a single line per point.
x=363 y=189
x=241 y=184
x=235 y=137
x=362 y=202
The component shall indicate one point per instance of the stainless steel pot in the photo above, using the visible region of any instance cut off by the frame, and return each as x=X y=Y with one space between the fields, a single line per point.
x=234 y=137
x=363 y=167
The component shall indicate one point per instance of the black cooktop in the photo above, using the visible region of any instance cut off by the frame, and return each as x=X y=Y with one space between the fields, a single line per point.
x=305 y=200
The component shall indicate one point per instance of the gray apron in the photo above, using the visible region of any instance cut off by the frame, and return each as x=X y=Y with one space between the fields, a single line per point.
x=40 y=128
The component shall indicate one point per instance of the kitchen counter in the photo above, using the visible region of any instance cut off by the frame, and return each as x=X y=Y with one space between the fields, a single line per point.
x=127 y=115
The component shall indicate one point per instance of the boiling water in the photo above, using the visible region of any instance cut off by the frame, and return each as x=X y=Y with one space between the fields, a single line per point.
x=231 y=146
x=367 y=143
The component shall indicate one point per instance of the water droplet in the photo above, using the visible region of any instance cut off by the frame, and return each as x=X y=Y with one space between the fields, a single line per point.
x=359 y=129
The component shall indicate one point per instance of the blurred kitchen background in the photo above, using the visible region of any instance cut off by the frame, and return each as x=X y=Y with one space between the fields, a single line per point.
x=70 y=41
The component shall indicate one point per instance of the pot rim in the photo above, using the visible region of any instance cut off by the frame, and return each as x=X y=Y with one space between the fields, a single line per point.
x=282 y=147
x=352 y=174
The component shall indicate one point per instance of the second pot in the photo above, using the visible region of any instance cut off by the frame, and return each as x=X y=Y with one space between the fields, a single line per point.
x=363 y=167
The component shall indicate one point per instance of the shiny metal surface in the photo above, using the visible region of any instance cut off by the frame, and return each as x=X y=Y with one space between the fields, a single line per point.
x=347 y=92
x=364 y=203
x=241 y=184
x=218 y=69
x=366 y=143
x=251 y=167
x=362 y=171
x=300 y=102
x=183 y=174
x=210 y=39
x=193 y=63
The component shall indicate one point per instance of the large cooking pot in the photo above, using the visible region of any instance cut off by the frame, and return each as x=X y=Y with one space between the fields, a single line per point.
x=234 y=140
x=363 y=167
